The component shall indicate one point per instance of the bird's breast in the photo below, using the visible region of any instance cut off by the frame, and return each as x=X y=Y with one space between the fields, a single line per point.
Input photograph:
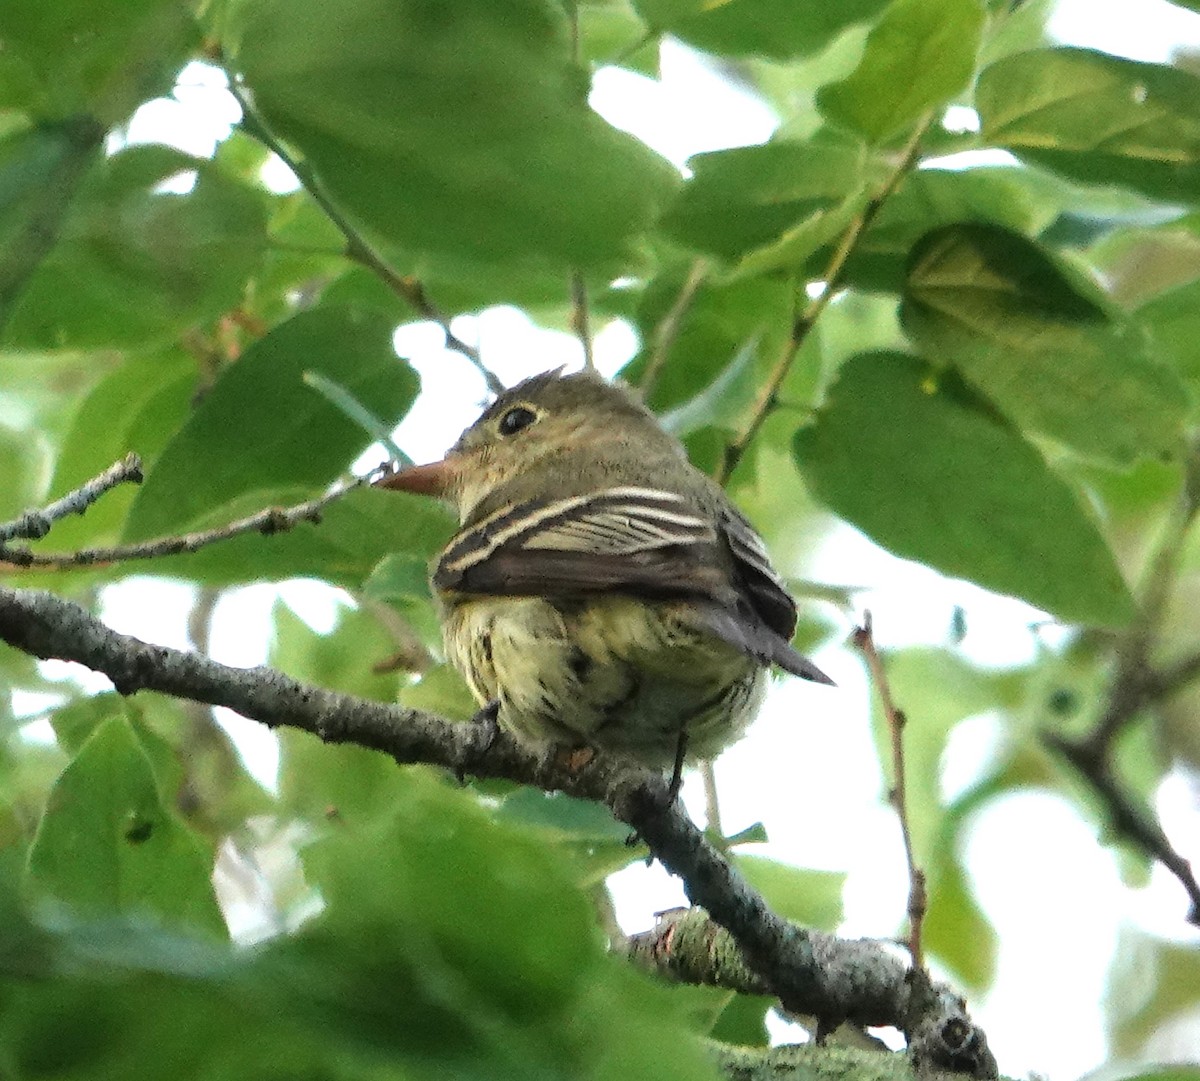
x=610 y=671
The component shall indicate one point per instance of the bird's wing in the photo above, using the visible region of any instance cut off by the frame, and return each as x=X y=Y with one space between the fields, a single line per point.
x=767 y=632
x=643 y=541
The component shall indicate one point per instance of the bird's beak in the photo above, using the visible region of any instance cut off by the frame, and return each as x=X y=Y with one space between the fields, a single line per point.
x=435 y=478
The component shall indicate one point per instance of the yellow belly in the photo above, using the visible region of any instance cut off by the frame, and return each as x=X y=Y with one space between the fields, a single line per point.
x=609 y=672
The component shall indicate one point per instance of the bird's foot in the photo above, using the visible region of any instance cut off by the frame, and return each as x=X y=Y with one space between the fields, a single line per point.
x=486 y=725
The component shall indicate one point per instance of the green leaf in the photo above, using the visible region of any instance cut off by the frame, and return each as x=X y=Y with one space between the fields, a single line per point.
x=261 y=427
x=808 y=897
x=401 y=577
x=778 y=29
x=75 y=722
x=720 y=403
x=22 y=465
x=1047 y=355
x=743 y=1022
x=933 y=477
x=574 y=1012
x=100 y=57
x=528 y=167
x=1098 y=118
x=611 y=33
x=443 y=691
x=135 y=265
x=956 y=931
x=918 y=57
x=316 y=779
x=741 y=199
x=342 y=659
x=108 y=848
x=115 y=1003
x=1172 y=323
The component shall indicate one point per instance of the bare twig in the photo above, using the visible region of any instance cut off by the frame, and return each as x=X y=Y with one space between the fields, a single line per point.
x=268 y=521
x=358 y=249
x=34 y=524
x=825 y=979
x=831 y=279
x=580 y=318
x=864 y=639
x=668 y=328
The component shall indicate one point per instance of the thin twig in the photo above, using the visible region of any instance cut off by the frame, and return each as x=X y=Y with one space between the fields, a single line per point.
x=580 y=319
x=864 y=640
x=831 y=281
x=668 y=328
x=358 y=249
x=35 y=524
x=268 y=521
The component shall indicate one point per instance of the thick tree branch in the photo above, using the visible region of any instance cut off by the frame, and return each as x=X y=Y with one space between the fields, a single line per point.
x=811 y=975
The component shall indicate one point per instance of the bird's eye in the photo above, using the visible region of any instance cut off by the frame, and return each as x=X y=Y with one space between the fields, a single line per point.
x=515 y=419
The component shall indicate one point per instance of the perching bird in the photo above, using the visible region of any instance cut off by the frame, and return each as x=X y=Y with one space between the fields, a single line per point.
x=602 y=591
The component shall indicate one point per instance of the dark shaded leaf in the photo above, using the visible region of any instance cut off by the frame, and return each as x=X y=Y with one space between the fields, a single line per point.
x=929 y=198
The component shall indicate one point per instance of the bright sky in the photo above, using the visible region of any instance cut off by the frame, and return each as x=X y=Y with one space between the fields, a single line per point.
x=1053 y=893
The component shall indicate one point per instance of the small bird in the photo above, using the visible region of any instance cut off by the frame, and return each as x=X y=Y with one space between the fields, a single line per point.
x=602 y=592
